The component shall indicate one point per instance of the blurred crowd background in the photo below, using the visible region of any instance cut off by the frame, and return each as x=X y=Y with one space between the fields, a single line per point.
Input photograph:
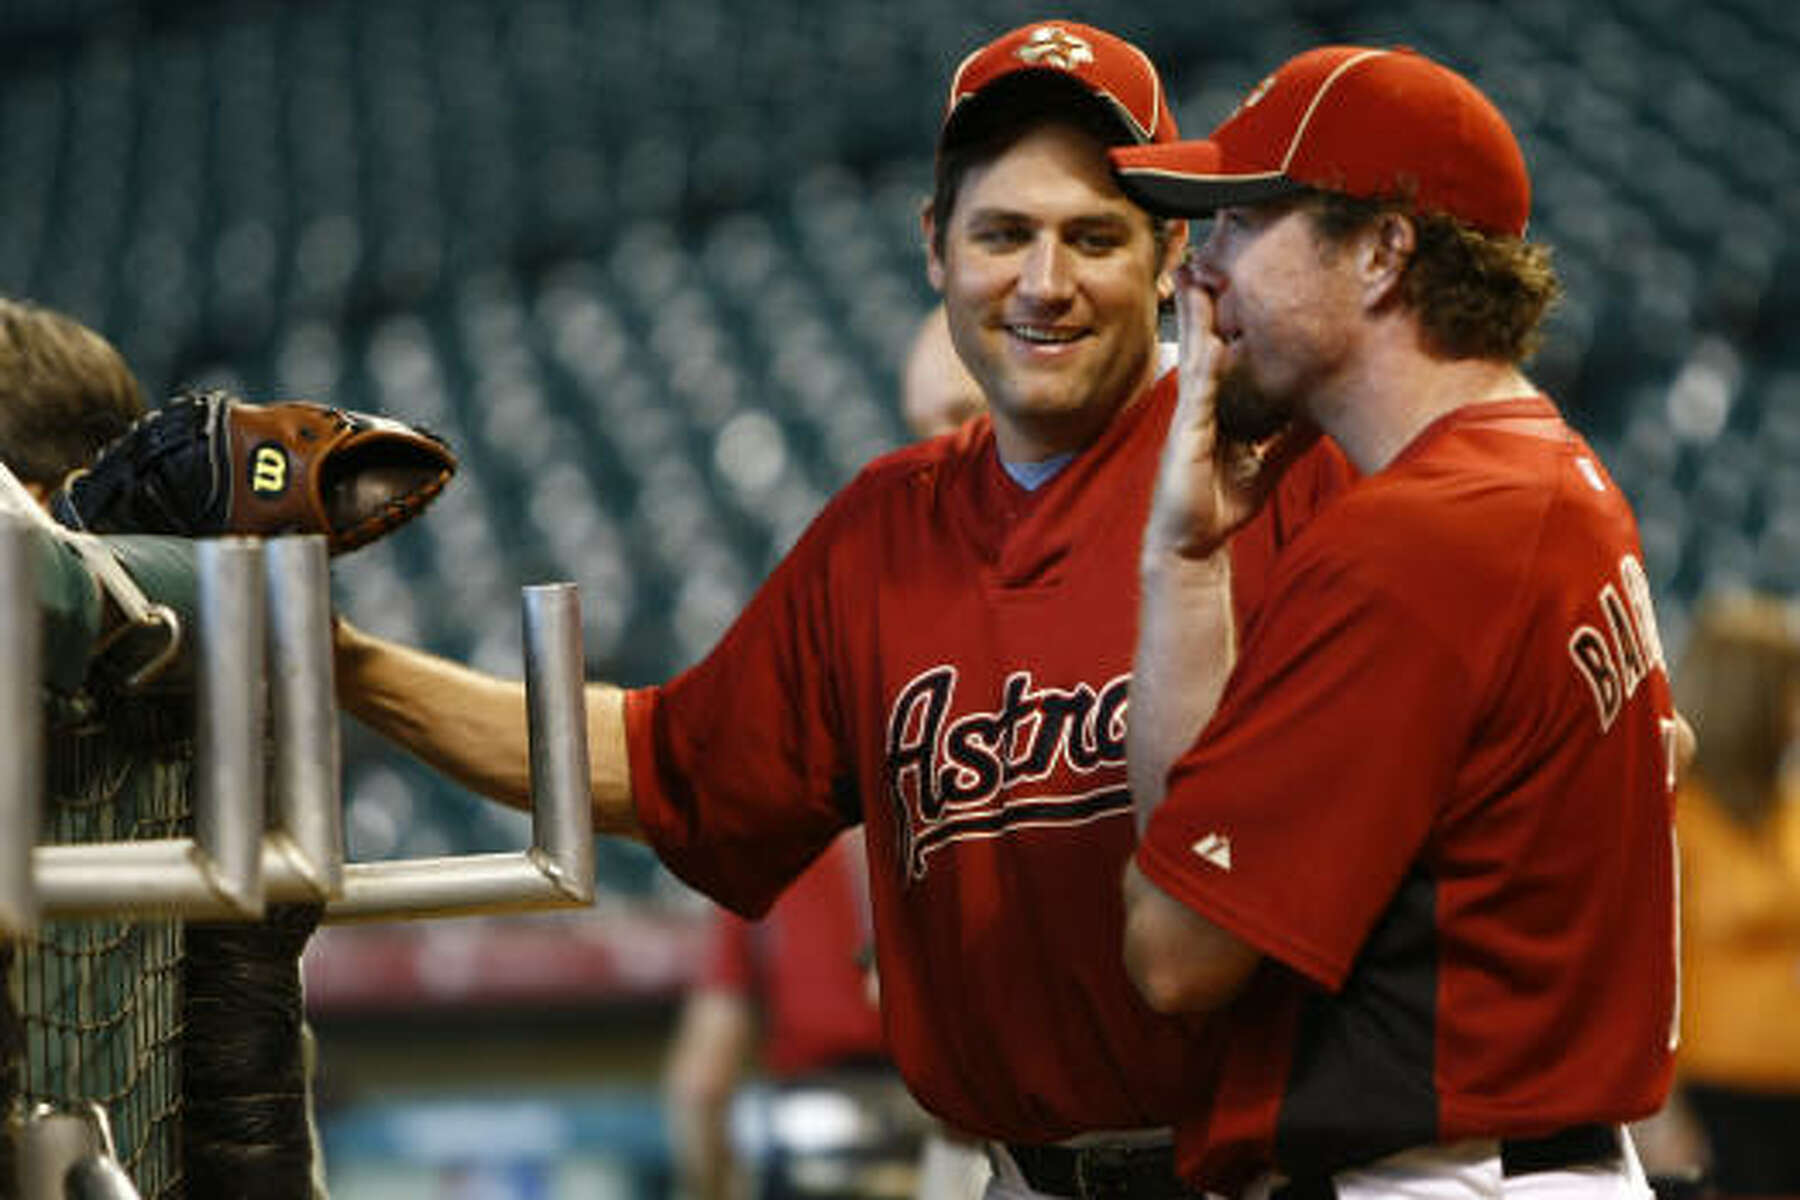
x=651 y=267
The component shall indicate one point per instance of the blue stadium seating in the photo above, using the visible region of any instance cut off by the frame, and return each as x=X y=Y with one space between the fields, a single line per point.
x=651 y=266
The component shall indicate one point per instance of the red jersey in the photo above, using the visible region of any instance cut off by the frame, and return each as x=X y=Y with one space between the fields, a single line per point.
x=1437 y=796
x=801 y=966
x=944 y=657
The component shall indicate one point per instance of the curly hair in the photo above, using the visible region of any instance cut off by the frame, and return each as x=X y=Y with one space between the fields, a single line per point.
x=1477 y=295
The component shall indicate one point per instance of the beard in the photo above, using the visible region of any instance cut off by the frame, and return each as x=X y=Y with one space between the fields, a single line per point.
x=1246 y=413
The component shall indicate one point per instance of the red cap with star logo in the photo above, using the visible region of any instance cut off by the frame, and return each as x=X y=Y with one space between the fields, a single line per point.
x=1362 y=121
x=1107 y=66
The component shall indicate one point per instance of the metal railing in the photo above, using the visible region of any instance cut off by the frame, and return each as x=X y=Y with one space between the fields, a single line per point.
x=267 y=715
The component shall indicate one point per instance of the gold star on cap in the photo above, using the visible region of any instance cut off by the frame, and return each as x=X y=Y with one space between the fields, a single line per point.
x=1054 y=46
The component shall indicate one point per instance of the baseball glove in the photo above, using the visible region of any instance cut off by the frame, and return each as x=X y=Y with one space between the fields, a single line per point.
x=209 y=463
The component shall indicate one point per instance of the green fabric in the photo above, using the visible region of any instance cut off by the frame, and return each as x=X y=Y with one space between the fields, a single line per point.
x=73 y=604
x=163 y=567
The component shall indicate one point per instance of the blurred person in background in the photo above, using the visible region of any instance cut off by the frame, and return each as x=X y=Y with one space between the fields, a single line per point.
x=790 y=997
x=1739 y=1061
x=937 y=393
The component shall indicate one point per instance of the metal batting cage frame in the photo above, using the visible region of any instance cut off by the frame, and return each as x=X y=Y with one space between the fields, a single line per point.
x=217 y=803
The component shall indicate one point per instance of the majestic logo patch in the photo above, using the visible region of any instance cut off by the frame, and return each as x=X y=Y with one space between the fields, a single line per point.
x=985 y=774
x=1215 y=848
x=1054 y=46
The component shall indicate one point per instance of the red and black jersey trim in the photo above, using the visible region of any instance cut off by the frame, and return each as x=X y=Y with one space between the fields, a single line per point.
x=1363 y=1081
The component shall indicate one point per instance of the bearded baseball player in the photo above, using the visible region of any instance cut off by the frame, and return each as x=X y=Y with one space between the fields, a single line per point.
x=944 y=657
x=1421 y=851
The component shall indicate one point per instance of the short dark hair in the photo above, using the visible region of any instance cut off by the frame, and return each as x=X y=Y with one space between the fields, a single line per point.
x=65 y=393
x=986 y=125
x=1477 y=295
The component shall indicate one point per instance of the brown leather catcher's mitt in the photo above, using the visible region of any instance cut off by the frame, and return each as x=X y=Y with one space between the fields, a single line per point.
x=209 y=463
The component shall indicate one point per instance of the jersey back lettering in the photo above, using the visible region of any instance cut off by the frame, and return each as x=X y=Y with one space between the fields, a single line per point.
x=1442 y=769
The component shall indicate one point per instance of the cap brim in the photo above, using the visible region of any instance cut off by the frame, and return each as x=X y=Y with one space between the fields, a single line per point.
x=1186 y=179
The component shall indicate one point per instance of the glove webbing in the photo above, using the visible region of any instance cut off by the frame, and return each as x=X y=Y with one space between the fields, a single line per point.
x=134 y=486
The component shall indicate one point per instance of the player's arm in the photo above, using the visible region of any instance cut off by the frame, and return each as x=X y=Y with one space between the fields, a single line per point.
x=1180 y=961
x=1186 y=640
x=472 y=726
x=706 y=1061
x=1186 y=649
x=1206 y=488
x=1187 y=643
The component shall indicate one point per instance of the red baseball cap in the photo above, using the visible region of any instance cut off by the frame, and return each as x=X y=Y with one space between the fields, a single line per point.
x=1351 y=119
x=1107 y=66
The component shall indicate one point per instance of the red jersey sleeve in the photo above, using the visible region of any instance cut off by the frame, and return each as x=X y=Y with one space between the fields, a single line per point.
x=740 y=771
x=1293 y=819
x=1311 y=481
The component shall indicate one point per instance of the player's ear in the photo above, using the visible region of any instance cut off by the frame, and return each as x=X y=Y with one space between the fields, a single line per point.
x=1392 y=238
x=934 y=262
x=1173 y=251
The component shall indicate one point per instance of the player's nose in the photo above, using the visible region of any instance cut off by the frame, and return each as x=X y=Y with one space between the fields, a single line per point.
x=1046 y=273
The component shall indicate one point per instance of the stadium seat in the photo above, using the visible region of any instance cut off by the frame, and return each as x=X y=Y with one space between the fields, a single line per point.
x=651 y=268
